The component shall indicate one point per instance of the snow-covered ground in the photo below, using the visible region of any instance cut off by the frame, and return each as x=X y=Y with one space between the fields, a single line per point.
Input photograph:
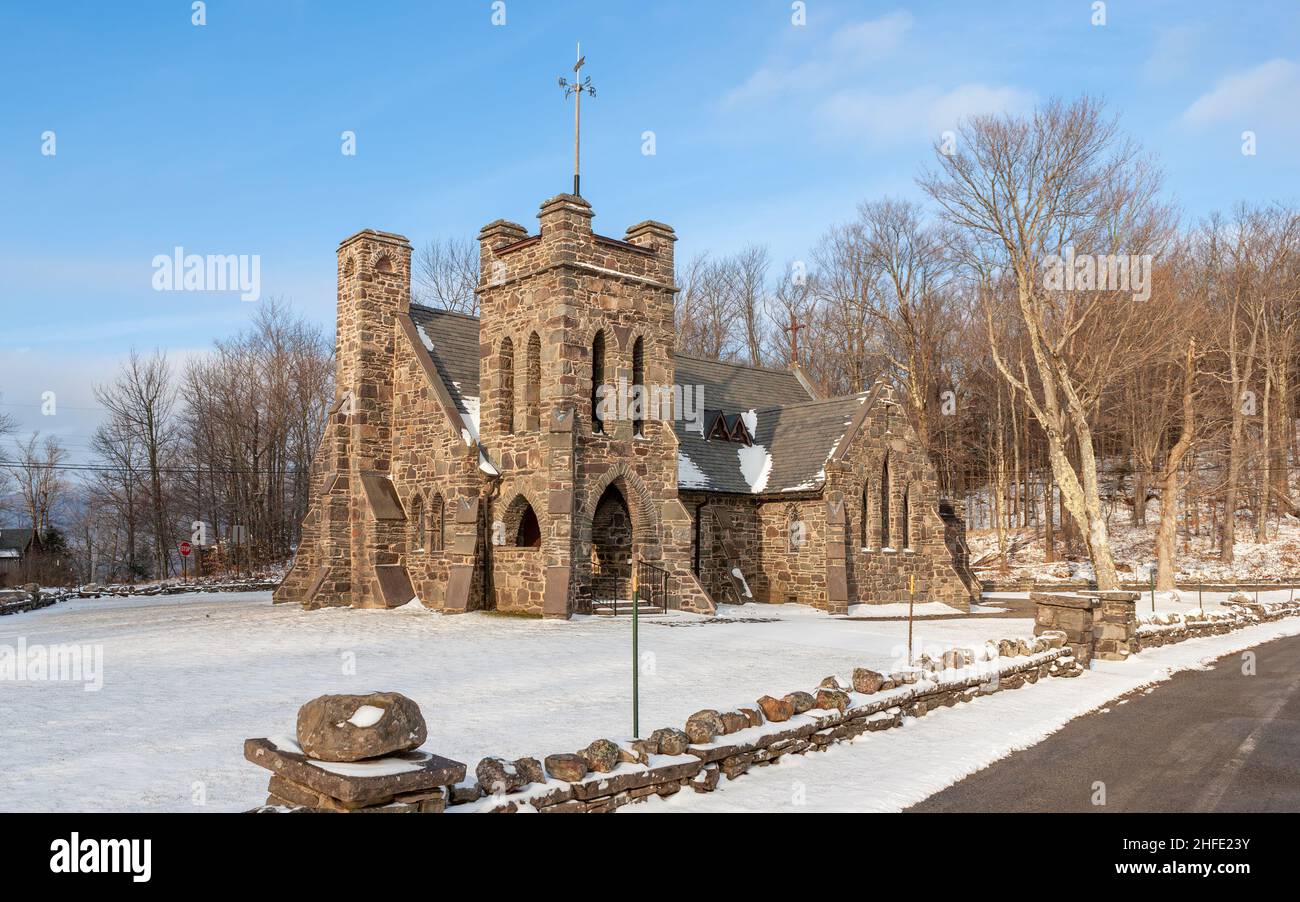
x=891 y=770
x=1134 y=551
x=187 y=678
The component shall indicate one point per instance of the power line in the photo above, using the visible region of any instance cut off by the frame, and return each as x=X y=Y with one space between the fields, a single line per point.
x=108 y=468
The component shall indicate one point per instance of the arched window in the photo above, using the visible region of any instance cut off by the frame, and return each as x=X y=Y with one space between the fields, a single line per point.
x=521 y=524
x=533 y=390
x=884 y=504
x=507 y=385
x=907 y=515
x=864 y=518
x=640 y=395
x=437 y=513
x=416 y=537
x=529 y=534
x=597 y=379
x=795 y=535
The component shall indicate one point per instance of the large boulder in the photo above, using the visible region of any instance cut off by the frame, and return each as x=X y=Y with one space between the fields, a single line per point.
x=357 y=727
x=703 y=726
x=734 y=722
x=569 y=768
x=498 y=776
x=602 y=756
x=801 y=701
x=777 y=710
x=671 y=741
x=867 y=681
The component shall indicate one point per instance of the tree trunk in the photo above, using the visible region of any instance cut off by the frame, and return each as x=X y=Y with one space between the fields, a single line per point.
x=1166 y=534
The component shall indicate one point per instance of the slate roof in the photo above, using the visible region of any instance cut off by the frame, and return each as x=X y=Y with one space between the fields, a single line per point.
x=793 y=434
x=15 y=539
x=455 y=347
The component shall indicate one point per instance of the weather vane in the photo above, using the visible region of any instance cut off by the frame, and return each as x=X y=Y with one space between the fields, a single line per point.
x=577 y=88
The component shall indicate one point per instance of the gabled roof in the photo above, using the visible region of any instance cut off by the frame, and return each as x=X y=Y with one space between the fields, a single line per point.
x=15 y=539
x=793 y=434
x=792 y=443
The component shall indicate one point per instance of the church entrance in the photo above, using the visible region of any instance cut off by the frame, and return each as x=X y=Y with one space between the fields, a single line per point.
x=611 y=551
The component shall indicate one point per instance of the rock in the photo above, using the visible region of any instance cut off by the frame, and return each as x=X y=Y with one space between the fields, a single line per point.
x=602 y=756
x=832 y=698
x=831 y=682
x=671 y=741
x=638 y=751
x=753 y=715
x=952 y=659
x=702 y=726
x=1007 y=648
x=801 y=701
x=867 y=681
x=777 y=710
x=421 y=771
x=498 y=776
x=530 y=769
x=734 y=722
x=569 y=768
x=462 y=793
x=356 y=727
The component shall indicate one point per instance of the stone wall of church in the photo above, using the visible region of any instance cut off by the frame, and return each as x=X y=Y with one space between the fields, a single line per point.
x=878 y=572
x=795 y=534
x=433 y=466
x=518 y=580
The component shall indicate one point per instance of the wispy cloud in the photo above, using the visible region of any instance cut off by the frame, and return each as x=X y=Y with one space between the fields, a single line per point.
x=849 y=49
x=842 y=78
x=916 y=112
x=1268 y=94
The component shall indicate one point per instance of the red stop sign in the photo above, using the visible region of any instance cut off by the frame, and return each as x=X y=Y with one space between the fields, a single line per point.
x=185 y=549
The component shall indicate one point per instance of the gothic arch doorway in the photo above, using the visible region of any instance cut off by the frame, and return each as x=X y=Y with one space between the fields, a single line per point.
x=612 y=534
x=613 y=545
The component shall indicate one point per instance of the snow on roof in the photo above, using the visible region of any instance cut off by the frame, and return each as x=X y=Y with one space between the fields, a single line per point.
x=689 y=476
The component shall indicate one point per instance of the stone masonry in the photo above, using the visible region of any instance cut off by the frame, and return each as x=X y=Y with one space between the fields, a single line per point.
x=462 y=463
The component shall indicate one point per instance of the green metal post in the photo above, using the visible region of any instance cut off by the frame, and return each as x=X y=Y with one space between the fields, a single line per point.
x=636 y=666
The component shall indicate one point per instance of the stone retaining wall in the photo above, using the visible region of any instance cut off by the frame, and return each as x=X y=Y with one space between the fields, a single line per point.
x=1166 y=629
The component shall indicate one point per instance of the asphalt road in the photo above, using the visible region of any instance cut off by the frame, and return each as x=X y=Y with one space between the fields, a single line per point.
x=1206 y=740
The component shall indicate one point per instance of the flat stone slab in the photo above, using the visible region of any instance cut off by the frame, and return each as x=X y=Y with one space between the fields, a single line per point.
x=356 y=782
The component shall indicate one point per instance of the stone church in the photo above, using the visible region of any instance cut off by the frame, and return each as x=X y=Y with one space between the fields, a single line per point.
x=556 y=454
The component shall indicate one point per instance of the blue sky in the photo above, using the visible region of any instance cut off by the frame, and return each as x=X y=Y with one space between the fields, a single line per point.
x=225 y=138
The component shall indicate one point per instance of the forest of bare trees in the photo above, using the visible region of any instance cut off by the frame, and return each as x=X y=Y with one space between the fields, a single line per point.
x=216 y=452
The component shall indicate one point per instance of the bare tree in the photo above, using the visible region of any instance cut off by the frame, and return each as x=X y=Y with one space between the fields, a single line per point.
x=1023 y=188
x=1169 y=480
x=141 y=401
x=746 y=275
x=38 y=472
x=444 y=274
